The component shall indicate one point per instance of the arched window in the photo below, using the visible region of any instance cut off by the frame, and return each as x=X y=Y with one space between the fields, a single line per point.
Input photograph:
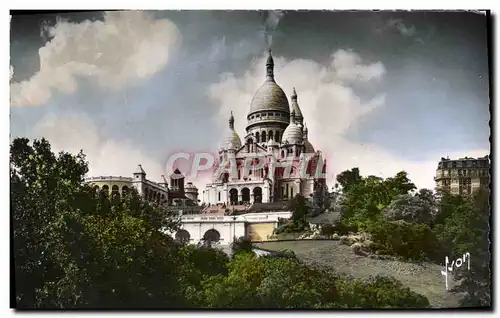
x=124 y=190
x=264 y=136
x=277 y=136
x=282 y=153
x=270 y=135
x=105 y=189
x=257 y=137
x=115 y=192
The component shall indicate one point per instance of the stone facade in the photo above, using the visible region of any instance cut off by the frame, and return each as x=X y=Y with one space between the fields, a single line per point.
x=223 y=229
x=463 y=176
x=175 y=195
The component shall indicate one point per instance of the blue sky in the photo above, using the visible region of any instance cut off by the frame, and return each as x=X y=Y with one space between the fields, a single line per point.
x=384 y=91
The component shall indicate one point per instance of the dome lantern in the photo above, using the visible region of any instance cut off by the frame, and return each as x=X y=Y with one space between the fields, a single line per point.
x=231 y=121
x=270 y=67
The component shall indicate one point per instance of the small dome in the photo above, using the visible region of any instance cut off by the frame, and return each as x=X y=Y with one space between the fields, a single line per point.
x=308 y=147
x=292 y=134
x=269 y=97
x=231 y=141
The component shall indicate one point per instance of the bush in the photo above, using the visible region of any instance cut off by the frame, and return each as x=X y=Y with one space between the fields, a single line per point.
x=409 y=241
x=344 y=229
x=293 y=227
x=288 y=254
x=378 y=292
x=327 y=229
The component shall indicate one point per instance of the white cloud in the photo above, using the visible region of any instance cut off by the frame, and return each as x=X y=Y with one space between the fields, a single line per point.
x=124 y=47
x=349 y=66
x=330 y=106
x=75 y=132
x=402 y=28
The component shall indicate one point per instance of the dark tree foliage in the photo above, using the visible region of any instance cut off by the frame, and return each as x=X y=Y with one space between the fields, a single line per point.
x=74 y=248
x=467 y=230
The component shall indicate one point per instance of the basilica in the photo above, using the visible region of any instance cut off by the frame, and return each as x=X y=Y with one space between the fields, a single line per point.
x=277 y=132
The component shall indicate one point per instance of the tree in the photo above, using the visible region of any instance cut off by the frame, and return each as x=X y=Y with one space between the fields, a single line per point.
x=363 y=199
x=410 y=208
x=349 y=178
x=76 y=248
x=467 y=231
x=299 y=209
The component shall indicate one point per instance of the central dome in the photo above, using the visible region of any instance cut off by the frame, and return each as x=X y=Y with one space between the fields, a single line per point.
x=269 y=97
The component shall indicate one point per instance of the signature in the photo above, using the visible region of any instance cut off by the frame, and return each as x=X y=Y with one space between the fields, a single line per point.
x=458 y=263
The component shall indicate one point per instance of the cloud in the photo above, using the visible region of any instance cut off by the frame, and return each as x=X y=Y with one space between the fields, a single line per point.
x=330 y=106
x=349 y=66
x=75 y=132
x=125 y=47
x=273 y=18
x=403 y=29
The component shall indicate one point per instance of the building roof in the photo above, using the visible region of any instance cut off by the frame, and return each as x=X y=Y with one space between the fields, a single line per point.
x=269 y=96
x=139 y=170
x=231 y=140
x=309 y=148
x=292 y=134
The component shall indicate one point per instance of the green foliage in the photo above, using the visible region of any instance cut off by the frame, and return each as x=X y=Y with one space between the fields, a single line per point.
x=297 y=222
x=410 y=208
x=74 y=248
x=281 y=282
x=379 y=292
x=465 y=229
x=363 y=199
x=299 y=208
x=298 y=226
x=410 y=241
x=283 y=254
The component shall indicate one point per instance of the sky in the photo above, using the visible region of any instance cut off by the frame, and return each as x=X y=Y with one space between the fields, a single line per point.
x=382 y=91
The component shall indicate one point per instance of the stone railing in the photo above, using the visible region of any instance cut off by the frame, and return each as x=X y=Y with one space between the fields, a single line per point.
x=109 y=178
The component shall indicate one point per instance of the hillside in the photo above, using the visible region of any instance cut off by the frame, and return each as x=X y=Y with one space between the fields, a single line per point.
x=425 y=279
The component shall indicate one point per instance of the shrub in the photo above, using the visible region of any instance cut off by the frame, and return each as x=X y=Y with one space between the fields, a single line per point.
x=378 y=292
x=409 y=241
x=327 y=229
x=293 y=227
